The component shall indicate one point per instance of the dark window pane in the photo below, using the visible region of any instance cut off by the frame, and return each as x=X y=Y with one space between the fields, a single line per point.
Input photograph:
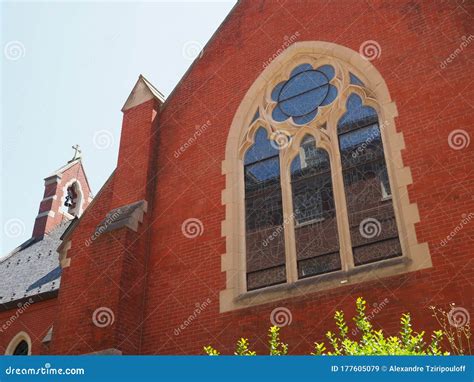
x=372 y=222
x=21 y=348
x=265 y=246
x=317 y=245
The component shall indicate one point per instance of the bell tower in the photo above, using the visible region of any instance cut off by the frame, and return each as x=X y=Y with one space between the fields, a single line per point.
x=66 y=195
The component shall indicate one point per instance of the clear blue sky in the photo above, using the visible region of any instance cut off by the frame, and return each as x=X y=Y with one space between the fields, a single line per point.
x=66 y=70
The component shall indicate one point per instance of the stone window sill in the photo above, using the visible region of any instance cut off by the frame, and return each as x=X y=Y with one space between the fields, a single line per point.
x=322 y=282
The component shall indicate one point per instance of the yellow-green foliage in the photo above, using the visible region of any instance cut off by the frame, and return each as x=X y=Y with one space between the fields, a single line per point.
x=371 y=342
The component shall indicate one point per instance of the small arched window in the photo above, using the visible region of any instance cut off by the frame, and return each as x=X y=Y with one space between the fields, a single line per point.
x=73 y=198
x=314 y=178
x=19 y=345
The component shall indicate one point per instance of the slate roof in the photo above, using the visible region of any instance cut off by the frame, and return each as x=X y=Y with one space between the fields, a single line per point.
x=32 y=269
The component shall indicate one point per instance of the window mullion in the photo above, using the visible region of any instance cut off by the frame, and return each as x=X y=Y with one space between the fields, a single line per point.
x=340 y=204
x=288 y=217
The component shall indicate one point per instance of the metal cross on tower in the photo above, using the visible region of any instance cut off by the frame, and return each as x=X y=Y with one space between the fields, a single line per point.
x=77 y=153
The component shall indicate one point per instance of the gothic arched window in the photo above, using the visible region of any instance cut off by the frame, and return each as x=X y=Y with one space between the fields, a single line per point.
x=311 y=188
x=19 y=345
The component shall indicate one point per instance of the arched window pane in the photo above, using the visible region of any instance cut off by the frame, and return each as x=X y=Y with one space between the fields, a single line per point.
x=317 y=245
x=371 y=216
x=21 y=348
x=265 y=243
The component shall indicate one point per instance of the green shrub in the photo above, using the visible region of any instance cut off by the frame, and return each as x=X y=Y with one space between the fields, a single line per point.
x=371 y=342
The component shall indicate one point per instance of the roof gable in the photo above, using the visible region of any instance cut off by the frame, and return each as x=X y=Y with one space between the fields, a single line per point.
x=142 y=91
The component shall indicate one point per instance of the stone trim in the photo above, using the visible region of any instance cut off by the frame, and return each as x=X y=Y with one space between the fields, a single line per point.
x=46 y=213
x=375 y=94
x=110 y=351
x=142 y=92
x=126 y=216
x=16 y=340
x=64 y=261
x=80 y=196
x=53 y=197
x=52 y=179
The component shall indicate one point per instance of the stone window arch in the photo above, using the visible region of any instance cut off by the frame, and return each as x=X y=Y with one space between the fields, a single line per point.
x=327 y=113
x=19 y=345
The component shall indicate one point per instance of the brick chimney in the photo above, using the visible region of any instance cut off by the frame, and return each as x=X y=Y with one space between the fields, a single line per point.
x=114 y=232
x=66 y=195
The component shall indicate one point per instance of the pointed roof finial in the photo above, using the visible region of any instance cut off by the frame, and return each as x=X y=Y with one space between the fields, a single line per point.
x=77 y=153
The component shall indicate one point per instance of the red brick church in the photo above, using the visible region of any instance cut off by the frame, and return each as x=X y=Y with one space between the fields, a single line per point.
x=313 y=153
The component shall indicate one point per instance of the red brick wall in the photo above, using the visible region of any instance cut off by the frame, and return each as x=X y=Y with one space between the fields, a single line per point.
x=34 y=319
x=415 y=38
x=107 y=273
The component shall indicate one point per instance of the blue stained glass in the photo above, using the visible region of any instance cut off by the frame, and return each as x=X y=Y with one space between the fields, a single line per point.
x=305 y=118
x=304 y=103
x=367 y=134
x=261 y=149
x=276 y=91
x=302 y=83
x=331 y=96
x=278 y=115
x=355 y=80
x=328 y=70
x=300 y=96
x=256 y=116
x=300 y=69
x=357 y=115
x=264 y=171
